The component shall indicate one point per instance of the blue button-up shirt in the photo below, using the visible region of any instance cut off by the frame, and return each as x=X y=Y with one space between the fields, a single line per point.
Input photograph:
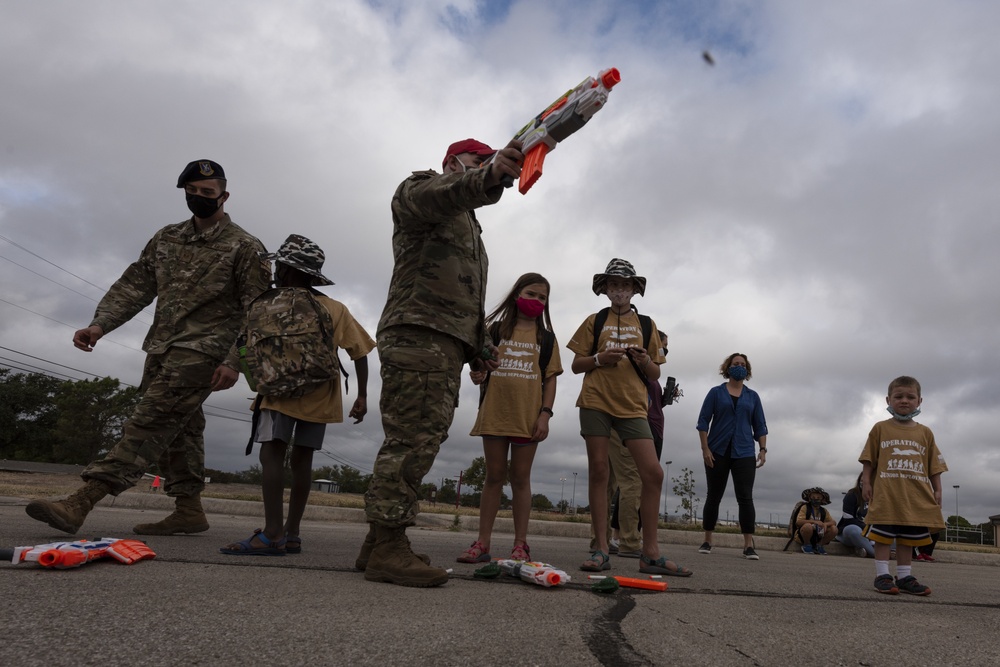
x=741 y=425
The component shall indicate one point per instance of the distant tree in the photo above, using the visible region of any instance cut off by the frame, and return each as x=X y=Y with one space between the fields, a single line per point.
x=27 y=415
x=91 y=418
x=959 y=521
x=563 y=505
x=446 y=494
x=427 y=491
x=684 y=489
x=540 y=501
x=474 y=476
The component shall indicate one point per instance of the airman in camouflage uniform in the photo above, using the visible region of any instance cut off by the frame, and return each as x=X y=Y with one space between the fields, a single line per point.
x=203 y=273
x=431 y=326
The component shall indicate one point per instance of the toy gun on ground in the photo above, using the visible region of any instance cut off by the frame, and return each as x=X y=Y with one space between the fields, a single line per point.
x=63 y=555
x=559 y=120
x=535 y=573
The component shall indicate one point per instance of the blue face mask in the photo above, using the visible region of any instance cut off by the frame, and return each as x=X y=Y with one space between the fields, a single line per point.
x=902 y=418
x=738 y=372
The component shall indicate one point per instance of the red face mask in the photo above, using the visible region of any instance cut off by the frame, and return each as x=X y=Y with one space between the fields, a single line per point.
x=530 y=307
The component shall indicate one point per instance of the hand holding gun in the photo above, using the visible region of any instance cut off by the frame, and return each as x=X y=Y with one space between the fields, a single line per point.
x=559 y=120
x=63 y=555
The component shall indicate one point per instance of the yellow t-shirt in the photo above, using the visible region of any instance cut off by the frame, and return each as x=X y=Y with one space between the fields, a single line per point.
x=514 y=393
x=903 y=458
x=616 y=390
x=324 y=404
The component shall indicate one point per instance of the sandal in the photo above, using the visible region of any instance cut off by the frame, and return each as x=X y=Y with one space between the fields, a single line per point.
x=293 y=545
x=659 y=566
x=521 y=552
x=477 y=553
x=597 y=562
x=245 y=548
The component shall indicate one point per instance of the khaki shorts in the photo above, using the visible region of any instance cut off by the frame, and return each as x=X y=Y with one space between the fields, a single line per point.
x=597 y=423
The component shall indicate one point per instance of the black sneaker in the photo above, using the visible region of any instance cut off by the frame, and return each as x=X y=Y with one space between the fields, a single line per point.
x=705 y=548
x=884 y=584
x=912 y=586
x=750 y=554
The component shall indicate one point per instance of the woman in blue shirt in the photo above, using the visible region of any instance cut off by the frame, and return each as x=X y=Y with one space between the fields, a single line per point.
x=731 y=419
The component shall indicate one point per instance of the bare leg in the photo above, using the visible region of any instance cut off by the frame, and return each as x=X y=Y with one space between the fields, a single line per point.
x=651 y=474
x=272 y=463
x=302 y=458
x=495 y=452
x=597 y=488
x=521 y=458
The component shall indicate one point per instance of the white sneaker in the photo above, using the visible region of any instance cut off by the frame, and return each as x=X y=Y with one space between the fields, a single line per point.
x=613 y=546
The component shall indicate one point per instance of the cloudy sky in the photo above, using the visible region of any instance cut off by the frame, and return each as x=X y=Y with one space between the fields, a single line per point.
x=822 y=199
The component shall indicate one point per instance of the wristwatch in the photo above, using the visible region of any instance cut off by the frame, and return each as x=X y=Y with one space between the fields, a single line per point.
x=545 y=409
x=763 y=450
x=597 y=361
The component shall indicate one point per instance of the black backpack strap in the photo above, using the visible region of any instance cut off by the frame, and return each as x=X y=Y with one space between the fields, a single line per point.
x=494 y=334
x=545 y=355
x=254 y=422
x=599 y=320
x=327 y=325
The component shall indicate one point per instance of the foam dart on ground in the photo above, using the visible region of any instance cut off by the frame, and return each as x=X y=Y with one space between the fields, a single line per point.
x=605 y=585
x=646 y=584
x=488 y=571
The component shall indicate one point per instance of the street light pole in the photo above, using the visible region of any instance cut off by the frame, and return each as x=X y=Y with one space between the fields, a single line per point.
x=666 y=488
x=574 y=493
x=562 y=495
x=956 y=511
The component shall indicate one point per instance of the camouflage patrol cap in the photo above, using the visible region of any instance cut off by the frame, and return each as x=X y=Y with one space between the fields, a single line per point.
x=300 y=253
x=201 y=170
x=467 y=146
x=620 y=269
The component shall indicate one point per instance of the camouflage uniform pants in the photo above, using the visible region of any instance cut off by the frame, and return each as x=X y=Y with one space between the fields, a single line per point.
x=167 y=427
x=421 y=377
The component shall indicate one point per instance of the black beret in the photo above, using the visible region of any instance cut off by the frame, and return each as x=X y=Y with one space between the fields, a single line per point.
x=200 y=170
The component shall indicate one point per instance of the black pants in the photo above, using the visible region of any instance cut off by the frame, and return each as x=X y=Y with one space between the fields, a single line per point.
x=743 y=470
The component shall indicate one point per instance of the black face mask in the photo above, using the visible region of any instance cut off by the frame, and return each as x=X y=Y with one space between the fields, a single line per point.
x=816 y=503
x=202 y=207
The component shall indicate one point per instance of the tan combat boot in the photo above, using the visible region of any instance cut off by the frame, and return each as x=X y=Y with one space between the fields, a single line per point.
x=68 y=515
x=393 y=562
x=361 y=563
x=187 y=517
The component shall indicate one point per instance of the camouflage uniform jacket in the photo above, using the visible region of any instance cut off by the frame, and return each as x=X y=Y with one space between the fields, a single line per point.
x=439 y=274
x=202 y=284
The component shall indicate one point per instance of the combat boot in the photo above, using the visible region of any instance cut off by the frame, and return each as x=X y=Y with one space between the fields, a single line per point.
x=187 y=517
x=68 y=515
x=361 y=563
x=393 y=562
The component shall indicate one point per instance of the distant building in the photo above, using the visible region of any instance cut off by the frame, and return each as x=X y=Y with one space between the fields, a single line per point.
x=325 y=486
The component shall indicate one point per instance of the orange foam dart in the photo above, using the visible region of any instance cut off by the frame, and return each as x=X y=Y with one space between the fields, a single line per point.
x=646 y=584
x=531 y=170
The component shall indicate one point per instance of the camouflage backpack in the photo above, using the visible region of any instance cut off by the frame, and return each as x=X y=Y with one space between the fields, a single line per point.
x=289 y=343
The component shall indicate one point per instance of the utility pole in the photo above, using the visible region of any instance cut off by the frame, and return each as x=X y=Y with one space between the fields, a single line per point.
x=666 y=488
x=574 y=493
x=562 y=495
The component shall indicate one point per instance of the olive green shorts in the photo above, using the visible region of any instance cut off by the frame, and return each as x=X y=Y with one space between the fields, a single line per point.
x=597 y=423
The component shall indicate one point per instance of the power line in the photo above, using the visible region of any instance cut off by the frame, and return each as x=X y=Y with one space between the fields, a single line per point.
x=34 y=254
x=74 y=328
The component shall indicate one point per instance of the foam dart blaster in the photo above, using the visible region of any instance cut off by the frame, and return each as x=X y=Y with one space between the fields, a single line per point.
x=559 y=120
x=64 y=555
x=627 y=582
x=541 y=574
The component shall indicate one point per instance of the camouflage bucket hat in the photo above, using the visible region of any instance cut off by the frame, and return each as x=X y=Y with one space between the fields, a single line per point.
x=300 y=253
x=819 y=490
x=621 y=269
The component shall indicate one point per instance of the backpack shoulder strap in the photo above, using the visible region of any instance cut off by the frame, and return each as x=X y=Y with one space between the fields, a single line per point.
x=599 y=320
x=545 y=355
x=326 y=325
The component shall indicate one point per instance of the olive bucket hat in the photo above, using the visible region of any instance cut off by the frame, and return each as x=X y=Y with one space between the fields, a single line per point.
x=300 y=253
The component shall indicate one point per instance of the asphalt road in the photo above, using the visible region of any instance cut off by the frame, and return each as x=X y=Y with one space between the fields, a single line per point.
x=195 y=606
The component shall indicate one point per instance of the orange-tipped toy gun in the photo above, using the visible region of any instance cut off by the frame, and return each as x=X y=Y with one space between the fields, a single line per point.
x=559 y=120
x=535 y=573
x=63 y=555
